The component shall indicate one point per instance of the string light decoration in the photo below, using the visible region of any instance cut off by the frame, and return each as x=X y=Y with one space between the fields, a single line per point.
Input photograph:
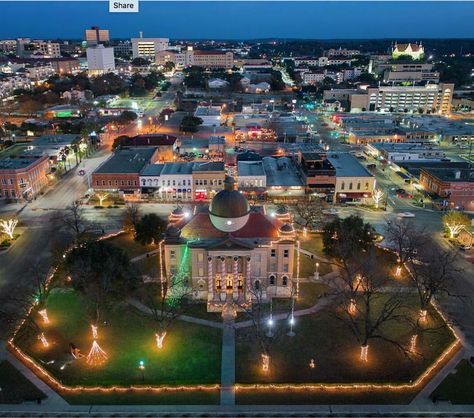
x=413 y=339
x=423 y=315
x=298 y=268
x=44 y=315
x=357 y=281
x=43 y=340
x=162 y=275
x=398 y=271
x=95 y=332
x=352 y=307
x=265 y=362
x=305 y=232
x=364 y=352
x=96 y=355
x=312 y=364
x=160 y=339
x=8 y=226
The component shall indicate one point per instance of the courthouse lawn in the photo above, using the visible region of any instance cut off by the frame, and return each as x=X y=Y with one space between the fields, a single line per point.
x=191 y=353
x=130 y=246
x=327 y=340
x=308 y=266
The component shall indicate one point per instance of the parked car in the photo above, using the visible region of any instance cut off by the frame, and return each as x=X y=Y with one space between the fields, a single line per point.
x=406 y=215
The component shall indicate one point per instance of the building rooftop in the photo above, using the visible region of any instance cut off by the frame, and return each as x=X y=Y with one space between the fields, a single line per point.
x=281 y=172
x=154 y=140
x=17 y=163
x=152 y=170
x=250 y=168
x=59 y=139
x=347 y=165
x=177 y=168
x=127 y=160
x=451 y=174
x=207 y=111
x=209 y=166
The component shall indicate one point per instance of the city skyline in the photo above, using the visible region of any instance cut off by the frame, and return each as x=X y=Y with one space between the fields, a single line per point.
x=315 y=20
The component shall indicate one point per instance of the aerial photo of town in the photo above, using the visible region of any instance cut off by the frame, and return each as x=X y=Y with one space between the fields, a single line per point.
x=237 y=209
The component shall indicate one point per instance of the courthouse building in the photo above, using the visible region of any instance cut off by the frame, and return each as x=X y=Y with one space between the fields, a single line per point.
x=230 y=253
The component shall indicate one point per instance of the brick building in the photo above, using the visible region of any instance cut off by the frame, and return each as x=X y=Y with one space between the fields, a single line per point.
x=23 y=177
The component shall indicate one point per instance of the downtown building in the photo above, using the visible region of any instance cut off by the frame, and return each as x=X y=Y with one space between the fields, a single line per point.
x=431 y=98
x=191 y=57
x=100 y=60
x=148 y=47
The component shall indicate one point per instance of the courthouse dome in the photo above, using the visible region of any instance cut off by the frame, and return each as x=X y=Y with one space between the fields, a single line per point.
x=229 y=210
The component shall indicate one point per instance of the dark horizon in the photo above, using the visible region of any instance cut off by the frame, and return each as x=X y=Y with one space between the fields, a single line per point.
x=178 y=20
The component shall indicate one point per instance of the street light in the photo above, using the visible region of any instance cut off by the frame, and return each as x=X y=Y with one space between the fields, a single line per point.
x=141 y=366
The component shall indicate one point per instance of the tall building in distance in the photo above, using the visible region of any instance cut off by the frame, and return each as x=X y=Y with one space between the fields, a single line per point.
x=96 y=35
x=100 y=60
x=416 y=51
x=189 y=57
x=148 y=47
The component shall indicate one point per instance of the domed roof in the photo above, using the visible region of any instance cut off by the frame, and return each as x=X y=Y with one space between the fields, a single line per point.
x=229 y=209
x=287 y=228
x=173 y=232
x=282 y=210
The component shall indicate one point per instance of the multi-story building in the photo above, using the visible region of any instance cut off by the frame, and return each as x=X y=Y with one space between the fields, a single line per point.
x=353 y=182
x=148 y=47
x=11 y=82
x=390 y=76
x=95 y=36
x=341 y=52
x=454 y=185
x=185 y=181
x=8 y=46
x=123 y=48
x=190 y=57
x=397 y=152
x=38 y=71
x=230 y=253
x=65 y=65
x=100 y=60
x=121 y=172
x=318 y=172
x=251 y=176
x=313 y=77
x=415 y=51
x=432 y=98
x=47 y=48
x=23 y=177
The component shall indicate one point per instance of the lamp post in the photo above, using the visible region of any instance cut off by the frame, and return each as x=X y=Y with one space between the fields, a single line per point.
x=141 y=366
x=316 y=273
x=292 y=319
x=270 y=320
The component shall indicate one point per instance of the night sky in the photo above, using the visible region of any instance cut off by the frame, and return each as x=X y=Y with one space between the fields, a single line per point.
x=242 y=20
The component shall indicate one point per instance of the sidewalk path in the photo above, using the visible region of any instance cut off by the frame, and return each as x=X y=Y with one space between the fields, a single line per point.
x=228 y=365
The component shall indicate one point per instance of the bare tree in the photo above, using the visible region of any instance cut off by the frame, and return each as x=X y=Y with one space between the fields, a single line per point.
x=166 y=301
x=74 y=220
x=131 y=217
x=264 y=330
x=309 y=213
x=405 y=237
x=367 y=309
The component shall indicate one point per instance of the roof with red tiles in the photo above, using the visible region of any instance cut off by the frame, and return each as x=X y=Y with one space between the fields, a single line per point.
x=258 y=226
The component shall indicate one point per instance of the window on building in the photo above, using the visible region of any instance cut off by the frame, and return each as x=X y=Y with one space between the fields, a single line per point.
x=343 y=186
x=172 y=254
x=257 y=284
x=285 y=268
x=286 y=253
x=200 y=257
x=272 y=280
x=358 y=186
x=350 y=186
x=273 y=252
x=284 y=280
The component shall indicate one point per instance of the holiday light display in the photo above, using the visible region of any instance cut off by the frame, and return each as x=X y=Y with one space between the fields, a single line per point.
x=423 y=315
x=364 y=352
x=8 y=226
x=43 y=340
x=377 y=196
x=398 y=271
x=44 y=315
x=96 y=355
x=413 y=339
x=160 y=339
x=95 y=332
x=265 y=362
x=352 y=307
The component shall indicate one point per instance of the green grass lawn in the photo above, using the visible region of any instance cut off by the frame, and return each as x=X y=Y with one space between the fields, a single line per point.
x=458 y=387
x=331 y=344
x=313 y=243
x=191 y=354
x=15 y=388
x=308 y=266
x=131 y=247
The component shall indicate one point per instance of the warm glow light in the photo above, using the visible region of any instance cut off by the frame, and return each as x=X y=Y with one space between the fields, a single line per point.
x=423 y=315
x=101 y=197
x=8 y=226
x=413 y=339
x=95 y=332
x=305 y=232
x=159 y=339
x=377 y=196
x=96 y=355
x=43 y=340
x=364 y=352
x=312 y=364
x=44 y=315
x=352 y=307
x=265 y=362
x=398 y=271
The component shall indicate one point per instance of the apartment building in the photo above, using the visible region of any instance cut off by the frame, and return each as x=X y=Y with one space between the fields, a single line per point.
x=148 y=47
x=10 y=82
x=189 y=57
x=432 y=98
x=47 y=49
x=23 y=177
x=95 y=35
x=100 y=60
